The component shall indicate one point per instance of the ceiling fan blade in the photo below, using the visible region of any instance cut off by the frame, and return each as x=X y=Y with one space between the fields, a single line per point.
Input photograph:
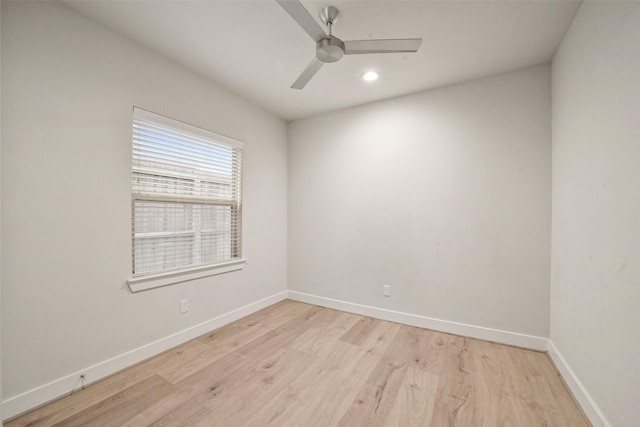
x=308 y=72
x=354 y=47
x=301 y=15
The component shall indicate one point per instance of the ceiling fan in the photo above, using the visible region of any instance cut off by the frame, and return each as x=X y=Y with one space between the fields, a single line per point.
x=329 y=48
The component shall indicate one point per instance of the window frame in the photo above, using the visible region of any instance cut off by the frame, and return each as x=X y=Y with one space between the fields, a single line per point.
x=145 y=281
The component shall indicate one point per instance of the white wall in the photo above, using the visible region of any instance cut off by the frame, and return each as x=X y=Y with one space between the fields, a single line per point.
x=0 y=220
x=595 y=286
x=443 y=194
x=68 y=88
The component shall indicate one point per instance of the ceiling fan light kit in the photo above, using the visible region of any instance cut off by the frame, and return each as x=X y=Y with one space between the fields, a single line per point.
x=330 y=48
x=370 y=76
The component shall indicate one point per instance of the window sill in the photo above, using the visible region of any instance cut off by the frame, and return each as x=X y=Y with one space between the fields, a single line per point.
x=137 y=284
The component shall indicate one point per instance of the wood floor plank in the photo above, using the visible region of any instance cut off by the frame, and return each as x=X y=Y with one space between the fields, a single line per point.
x=326 y=406
x=201 y=418
x=288 y=332
x=359 y=331
x=294 y=364
x=414 y=403
x=116 y=409
x=373 y=403
x=281 y=410
x=230 y=338
x=380 y=337
x=320 y=339
x=191 y=393
x=245 y=394
x=454 y=399
x=417 y=347
x=489 y=382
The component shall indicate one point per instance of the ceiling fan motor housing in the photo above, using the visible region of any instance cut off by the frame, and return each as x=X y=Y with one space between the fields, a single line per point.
x=330 y=49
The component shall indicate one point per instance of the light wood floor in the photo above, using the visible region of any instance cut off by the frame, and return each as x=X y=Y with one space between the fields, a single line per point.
x=294 y=364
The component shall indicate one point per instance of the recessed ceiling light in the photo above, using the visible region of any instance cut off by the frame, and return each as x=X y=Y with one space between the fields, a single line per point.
x=370 y=76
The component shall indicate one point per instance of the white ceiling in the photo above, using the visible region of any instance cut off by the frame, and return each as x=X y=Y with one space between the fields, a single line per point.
x=256 y=49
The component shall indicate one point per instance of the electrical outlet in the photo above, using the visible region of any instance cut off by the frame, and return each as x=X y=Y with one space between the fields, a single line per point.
x=386 y=290
x=184 y=306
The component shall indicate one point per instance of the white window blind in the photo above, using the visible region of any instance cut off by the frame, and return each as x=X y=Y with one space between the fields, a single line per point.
x=186 y=196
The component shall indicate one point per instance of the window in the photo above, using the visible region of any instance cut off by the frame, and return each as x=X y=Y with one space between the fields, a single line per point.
x=186 y=202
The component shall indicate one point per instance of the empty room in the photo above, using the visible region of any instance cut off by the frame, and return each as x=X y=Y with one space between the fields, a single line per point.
x=320 y=213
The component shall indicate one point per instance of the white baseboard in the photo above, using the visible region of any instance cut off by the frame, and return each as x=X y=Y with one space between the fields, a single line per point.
x=488 y=334
x=16 y=405
x=579 y=392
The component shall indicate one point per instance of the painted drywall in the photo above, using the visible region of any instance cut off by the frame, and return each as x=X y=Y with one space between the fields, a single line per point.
x=595 y=292
x=1 y=418
x=68 y=89
x=444 y=195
